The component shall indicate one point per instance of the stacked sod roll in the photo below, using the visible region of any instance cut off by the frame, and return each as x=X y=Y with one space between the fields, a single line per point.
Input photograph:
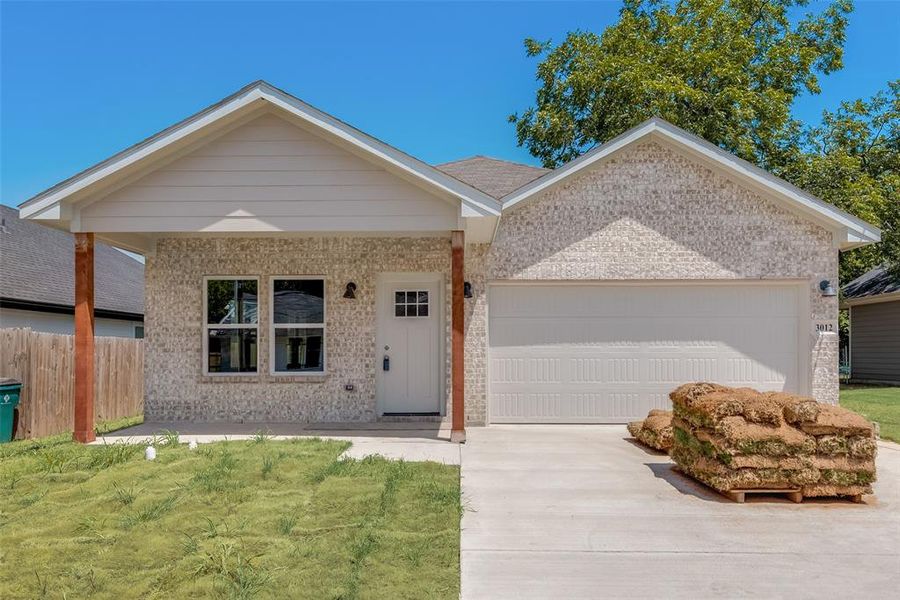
x=741 y=439
x=654 y=431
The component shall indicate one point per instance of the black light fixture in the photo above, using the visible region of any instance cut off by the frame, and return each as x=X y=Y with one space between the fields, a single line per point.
x=467 y=289
x=350 y=291
x=827 y=289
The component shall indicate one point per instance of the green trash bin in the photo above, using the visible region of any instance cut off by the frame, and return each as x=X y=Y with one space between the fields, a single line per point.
x=9 y=400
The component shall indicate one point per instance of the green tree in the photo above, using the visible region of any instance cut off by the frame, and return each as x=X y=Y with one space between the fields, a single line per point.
x=852 y=160
x=727 y=70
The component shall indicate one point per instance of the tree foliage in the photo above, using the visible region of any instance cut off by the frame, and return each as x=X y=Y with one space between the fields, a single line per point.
x=852 y=160
x=727 y=70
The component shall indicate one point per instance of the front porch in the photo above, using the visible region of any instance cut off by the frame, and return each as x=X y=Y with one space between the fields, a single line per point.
x=286 y=342
x=261 y=189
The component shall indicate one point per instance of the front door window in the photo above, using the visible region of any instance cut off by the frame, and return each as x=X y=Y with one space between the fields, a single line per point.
x=411 y=303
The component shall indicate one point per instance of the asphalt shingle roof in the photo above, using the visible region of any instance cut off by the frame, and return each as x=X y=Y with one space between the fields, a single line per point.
x=37 y=264
x=874 y=283
x=492 y=176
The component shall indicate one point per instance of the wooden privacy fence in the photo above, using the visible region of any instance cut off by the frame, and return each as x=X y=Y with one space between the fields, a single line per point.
x=44 y=363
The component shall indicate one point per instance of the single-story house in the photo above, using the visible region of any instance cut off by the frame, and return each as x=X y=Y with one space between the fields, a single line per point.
x=298 y=269
x=873 y=302
x=37 y=281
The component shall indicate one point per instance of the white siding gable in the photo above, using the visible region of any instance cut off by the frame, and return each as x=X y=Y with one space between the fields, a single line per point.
x=269 y=175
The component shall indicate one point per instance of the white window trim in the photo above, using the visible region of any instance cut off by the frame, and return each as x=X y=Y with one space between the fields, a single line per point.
x=273 y=326
x=207 y=326
x=416 y=290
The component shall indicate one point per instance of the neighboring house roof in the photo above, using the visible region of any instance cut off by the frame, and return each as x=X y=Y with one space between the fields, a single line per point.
x=294 y=306
x=878 y=285
x=491 y=175
x=247 y=101
x=37 y=264
x=851 y=231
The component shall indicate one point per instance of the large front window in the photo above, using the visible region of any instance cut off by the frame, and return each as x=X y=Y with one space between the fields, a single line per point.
x=230 y=325
x=298 y=325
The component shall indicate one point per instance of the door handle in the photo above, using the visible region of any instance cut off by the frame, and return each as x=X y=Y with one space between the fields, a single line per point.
x=386 y=363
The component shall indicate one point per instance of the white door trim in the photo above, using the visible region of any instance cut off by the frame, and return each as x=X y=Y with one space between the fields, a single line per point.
x=383 y=279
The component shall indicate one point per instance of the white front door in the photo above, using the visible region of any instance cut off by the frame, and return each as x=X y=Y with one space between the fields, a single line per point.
x=408 y=344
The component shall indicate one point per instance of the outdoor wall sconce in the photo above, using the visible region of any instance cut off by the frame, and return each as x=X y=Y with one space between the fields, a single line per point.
x=827 y=289
x=467 y=289
x=350 y=291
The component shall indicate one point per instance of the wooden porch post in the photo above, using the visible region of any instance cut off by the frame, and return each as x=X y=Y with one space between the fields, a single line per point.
x=84 y=337
x=457 y=345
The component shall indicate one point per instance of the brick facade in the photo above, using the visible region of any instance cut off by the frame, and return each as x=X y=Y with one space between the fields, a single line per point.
x=649 y=213
x=175 y=386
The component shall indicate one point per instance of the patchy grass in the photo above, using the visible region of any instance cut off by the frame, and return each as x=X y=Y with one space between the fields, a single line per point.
x=102 y=428
x=105 y=427
x=258 y=518
x=880 y=404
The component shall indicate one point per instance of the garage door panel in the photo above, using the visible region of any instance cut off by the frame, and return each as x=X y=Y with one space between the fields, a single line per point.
x=611 y=368
x=526 y=370
x=659 y=302
x=739 y=332
x=609 y=406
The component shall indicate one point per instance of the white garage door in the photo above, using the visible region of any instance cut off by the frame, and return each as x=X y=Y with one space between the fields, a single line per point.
x=569 y=353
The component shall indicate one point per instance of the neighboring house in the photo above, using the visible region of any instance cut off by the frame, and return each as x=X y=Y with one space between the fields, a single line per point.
x=873 y=301
x=300 y=270
x=37 y=275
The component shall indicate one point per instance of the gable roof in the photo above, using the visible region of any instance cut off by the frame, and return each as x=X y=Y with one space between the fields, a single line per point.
x=249 y=100
x=38 y=266
x=879 y=283
x=850 y=231
x=491 y=175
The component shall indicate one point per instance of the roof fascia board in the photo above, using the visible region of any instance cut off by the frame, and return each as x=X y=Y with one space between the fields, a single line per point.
x=66 y=309
x=139 y=243
x=874 y=299
x=55 y=212
x=853 y=231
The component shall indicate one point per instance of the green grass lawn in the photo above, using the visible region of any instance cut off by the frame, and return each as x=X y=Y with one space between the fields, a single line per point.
x=239 y=519
x=881 y=404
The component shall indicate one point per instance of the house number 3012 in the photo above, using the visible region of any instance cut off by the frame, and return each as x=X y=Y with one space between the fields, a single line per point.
x=825 y=327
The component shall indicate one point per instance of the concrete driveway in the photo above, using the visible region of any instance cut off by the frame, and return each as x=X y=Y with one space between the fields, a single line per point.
x=580 y=512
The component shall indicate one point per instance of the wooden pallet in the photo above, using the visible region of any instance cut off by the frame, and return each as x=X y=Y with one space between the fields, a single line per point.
x=794 y=495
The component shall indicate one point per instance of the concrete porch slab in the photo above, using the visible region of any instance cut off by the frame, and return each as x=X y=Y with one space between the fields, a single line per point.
x=399 y=441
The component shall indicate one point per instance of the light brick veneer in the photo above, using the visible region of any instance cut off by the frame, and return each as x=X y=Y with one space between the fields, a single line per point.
x=652 y=213
x=649 y=213
x=174 y=384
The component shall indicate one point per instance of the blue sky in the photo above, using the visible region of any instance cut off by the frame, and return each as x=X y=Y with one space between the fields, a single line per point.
x=80 y=81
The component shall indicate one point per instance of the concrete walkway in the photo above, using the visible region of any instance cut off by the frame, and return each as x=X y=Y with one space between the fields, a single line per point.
x=407 y=441
x=580 y=512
